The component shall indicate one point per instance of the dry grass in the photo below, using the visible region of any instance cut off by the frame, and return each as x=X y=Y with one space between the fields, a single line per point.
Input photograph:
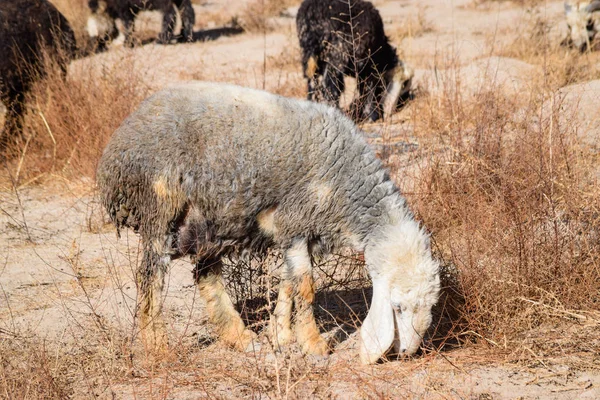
x=411 y=28
x=258 y=14
x=511 y=199
x=538 y=45
x=70 y=119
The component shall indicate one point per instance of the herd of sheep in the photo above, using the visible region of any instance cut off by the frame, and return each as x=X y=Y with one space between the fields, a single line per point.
x=208 y=170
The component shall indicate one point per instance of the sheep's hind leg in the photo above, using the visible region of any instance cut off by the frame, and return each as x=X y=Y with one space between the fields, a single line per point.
x=307 y=332
x=150 y=279
x=281 y=320
x=221 y=311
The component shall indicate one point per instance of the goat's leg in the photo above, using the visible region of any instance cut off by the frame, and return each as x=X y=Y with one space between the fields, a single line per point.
x=307 y=333
x=168 y=24
x=150 y=277
x=368 y=104
x=221 y=312
x=128 y=26
x=13 y=125
x=332 y=85
x=281 y=320
x=186 y=12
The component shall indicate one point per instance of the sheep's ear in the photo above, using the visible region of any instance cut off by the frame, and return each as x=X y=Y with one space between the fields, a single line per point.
x=391 y=98
x=399 y=83
x=377 y=331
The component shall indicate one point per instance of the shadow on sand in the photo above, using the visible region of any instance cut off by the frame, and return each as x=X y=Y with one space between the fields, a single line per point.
x=340 y=313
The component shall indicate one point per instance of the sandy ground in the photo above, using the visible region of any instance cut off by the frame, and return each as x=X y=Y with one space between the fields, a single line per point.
x=61 y=265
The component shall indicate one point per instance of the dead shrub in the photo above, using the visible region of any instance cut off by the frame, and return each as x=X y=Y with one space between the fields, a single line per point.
x=561 y=66
x=511 y=202
x=257 y=15
x=70 y=118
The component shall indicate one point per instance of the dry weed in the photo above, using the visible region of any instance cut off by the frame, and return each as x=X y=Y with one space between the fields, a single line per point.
x=511 y=201
x=561 y=66
x=70 y=118
x=257 y=15
x=412 y=28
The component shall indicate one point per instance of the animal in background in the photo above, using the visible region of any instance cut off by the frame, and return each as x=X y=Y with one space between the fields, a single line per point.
x=347 y=38
x=29 y=30
x=583 y=21
x=101 y=24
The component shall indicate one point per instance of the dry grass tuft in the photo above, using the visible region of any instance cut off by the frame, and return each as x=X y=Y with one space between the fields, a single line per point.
x=412 y=27
x=257 y=15
x=536 y=44
x=71 y=118
x=510 y=198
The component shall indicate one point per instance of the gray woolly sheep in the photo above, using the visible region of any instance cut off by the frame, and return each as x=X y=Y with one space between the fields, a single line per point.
x=583 y=22
x=101 y=24
x=340 y=38
x=27 y=27
x=209 y=170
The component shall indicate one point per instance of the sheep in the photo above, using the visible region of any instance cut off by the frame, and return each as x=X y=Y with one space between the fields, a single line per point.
x=27 y=27
x=102 y=28
x=340 y=38
x=583 y=22
x=212 y=170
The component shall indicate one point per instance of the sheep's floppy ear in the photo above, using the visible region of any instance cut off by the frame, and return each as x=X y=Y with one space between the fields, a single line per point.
x=399 y=83
x=377 y=331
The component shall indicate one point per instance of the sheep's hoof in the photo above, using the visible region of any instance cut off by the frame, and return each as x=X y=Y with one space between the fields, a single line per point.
x=280 y=336
x=315 y=346
x=245 y=341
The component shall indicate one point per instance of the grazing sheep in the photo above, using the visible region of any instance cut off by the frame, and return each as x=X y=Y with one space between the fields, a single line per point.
x=209 y=170
x=347 y=38
x=27 y=27
x=101 y=24
x=583 y=22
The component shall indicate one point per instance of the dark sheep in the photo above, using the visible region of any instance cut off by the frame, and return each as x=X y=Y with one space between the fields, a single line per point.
x=209 y=170
x=340 y=38
x=101 y=24
x=27 y=27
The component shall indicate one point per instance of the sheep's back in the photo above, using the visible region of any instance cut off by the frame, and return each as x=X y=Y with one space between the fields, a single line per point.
x=231 y=153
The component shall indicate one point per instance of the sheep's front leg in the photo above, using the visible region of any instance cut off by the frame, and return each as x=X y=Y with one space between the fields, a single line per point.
x=307 y=332
x=281 y=320
x=151 y=277
x=221 y=311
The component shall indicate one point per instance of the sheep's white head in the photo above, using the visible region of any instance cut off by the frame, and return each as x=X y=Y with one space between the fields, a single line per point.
x=406 y=286
x=398 y=85
x=583 y=21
